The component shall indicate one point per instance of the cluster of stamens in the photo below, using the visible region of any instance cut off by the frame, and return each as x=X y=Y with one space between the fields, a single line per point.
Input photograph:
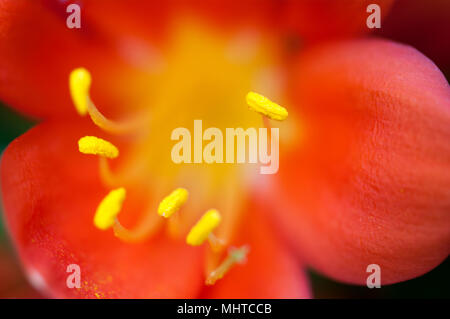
x=106 y=215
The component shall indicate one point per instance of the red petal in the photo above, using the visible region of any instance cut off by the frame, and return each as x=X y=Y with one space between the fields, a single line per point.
x=50 y=192
x=38 y=51
x=320 y=20
x=369 y=182
x=271 y=270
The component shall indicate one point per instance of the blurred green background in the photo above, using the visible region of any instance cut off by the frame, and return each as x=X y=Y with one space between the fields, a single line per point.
x=12 y=281
x=435 y=284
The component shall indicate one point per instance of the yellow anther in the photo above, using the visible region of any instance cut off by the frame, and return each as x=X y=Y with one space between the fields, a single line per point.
x=235 y=256
x=200 y=232
x=172 y=203
x=79 y=84
x=266 y=107
x=97 y=146
x=109 y=208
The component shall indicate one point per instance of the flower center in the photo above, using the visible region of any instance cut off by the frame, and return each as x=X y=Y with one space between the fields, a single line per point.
x=206 y=77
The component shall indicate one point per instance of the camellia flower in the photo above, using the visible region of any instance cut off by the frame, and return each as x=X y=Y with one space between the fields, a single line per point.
x=364 y=172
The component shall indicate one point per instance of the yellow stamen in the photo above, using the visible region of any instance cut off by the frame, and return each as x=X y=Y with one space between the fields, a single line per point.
x=79 y=84
x=109 y=208
x=172 y=203
x=200 y=232
x=147 y=226
x=266 y=107
x=235 y=255
x=97 y=146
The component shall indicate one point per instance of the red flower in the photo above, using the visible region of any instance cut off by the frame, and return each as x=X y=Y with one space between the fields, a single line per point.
x=364 y=166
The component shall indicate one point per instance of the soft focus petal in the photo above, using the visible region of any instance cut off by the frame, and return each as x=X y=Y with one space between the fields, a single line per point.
x=50 y=200
x=231 y=15
x=321 y=20
x=38 y=51
x=271 y=270
x=122 y=43
x=369 y=182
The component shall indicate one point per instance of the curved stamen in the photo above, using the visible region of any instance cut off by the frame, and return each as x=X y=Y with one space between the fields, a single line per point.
x=79 y=84
x=123 y=127
x=106 y=175
x=106 y=217
x=147 y=227
x=130 y=173
x=235 y=256
x=151 y=222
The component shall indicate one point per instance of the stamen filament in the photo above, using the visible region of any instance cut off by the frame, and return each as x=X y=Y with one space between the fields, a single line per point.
x=266 y=124
x=110 y=126
x=216 y=243
x=266 y=107
x=174 y=226
x=106 y=175
x=145 y=229
x=235 y=255
x=230 y=202
x=200 y=232
x=124 y=175
x=97 y=146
